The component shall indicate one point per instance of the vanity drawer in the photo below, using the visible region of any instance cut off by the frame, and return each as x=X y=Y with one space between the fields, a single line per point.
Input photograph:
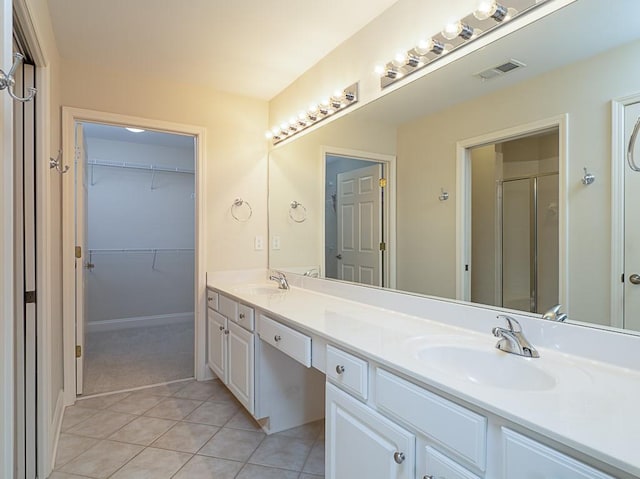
x=348 y=372
x=227 y=307
x=439 y=465
x=458 y=429
x=245 y=317
x=288 y=340
x=528 y=459
x=212 y=299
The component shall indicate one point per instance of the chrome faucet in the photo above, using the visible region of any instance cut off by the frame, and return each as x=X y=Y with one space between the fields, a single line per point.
x=281 y=279
x=554 y=314
x=312 y=273
x=512 y=339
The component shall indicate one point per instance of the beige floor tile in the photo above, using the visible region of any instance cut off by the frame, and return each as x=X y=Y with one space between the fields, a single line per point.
x=199 y=390
x=102 y=460
x=165 y=389
x=173 y=408
x=74 y=415
x=64 y=475
x=136 y=403
x=310 y=476
x=234 y=444
x=315 y=461
x=101 y=402
x=102 y=424
x=200 y=467
x=283 y=452
x=142 y=430
x=222 y=394
x=243 y=420
x=70 y=447
x=213 y=413
x=153 y=464
x=311 y=430
x=186 y=437
x=251 y=471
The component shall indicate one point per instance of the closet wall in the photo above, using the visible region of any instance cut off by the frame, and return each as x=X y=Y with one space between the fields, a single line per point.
x=140 y=235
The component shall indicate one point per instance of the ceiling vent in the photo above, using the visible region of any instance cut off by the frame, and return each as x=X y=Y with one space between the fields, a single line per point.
x=500 y=70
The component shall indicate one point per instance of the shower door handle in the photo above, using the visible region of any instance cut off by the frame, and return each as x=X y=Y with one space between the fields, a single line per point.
x=634 y=279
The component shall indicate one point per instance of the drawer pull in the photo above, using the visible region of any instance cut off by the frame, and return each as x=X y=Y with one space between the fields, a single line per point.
x=210 y=298
x=277 y=338
x=427 y=476
x=226 y=331
x=221 y=328
x=241 y=316
x=339 y=369
x=399 y=457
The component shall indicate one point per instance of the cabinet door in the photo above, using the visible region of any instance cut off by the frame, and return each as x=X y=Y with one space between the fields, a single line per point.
x=362 y=443
x=217 y=342
x=241 y=365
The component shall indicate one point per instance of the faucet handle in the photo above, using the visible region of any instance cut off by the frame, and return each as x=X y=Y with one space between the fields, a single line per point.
x=554 y=314
x=512 y=324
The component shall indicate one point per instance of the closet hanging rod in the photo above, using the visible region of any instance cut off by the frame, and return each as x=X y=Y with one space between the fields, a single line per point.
x=137 y=166
x=141 y=250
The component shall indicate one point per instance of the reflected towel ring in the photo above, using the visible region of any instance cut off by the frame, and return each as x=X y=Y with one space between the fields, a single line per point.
x=238 y=203
x=302 y=217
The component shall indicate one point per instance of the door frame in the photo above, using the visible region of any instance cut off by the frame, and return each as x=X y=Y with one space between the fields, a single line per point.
x=389 y=208
x=618 y=167
x=70 y=116
x=463 y=206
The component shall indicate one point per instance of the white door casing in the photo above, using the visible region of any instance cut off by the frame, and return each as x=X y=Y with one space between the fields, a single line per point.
x=359 y=209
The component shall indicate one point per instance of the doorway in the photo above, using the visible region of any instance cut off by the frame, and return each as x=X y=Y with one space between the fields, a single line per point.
x=514 y=223
x=356 y=221
x=138 y=269
x=104 y=252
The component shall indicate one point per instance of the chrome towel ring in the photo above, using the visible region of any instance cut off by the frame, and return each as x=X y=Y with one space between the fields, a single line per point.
x=297 y=212
x=632 y=143
x=238 y=212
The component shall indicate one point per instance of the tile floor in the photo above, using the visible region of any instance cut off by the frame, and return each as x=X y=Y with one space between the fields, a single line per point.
x=184 y=430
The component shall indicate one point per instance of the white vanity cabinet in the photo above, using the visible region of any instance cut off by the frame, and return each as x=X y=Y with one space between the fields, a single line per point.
x=217 y=344
x=362 y=443
x=241 y=365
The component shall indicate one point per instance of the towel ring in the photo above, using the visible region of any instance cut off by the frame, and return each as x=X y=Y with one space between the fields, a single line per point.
x=237 y=204
x=293 y=207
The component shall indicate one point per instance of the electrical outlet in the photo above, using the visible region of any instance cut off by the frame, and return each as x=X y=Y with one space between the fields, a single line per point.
x=259 y=243
x=275 y=243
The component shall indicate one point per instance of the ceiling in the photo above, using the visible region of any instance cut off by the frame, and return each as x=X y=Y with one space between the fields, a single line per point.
x=146 y=137
x=255 y=48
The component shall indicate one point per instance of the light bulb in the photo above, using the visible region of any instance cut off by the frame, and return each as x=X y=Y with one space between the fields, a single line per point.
x=457 y=29
x=275 y=130
x=400 y=59
x=268 y=135
x=490 y=9
x=337 y=94
x=379 y=70
x=284 y=126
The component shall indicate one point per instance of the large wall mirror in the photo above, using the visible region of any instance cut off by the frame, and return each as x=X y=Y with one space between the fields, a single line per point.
x=484 y=198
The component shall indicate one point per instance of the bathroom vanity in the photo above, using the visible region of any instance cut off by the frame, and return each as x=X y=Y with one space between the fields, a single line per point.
x=424 y=395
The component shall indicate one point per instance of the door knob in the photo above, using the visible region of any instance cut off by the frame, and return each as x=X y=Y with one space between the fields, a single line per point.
x=90 y=266
x=634 y=279
x=339 y=256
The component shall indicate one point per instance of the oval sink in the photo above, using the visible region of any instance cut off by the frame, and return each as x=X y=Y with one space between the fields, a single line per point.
x=490 y=368
x=258 y=288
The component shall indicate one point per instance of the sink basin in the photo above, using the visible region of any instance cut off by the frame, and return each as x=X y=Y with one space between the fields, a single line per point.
x=258 y=288
x=492 y=367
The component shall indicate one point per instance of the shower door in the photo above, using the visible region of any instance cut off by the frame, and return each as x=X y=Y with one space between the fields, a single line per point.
x=529 y=236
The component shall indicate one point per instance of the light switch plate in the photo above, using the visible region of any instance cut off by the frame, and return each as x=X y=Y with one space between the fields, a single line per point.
x=275 y=243
x=259 y=243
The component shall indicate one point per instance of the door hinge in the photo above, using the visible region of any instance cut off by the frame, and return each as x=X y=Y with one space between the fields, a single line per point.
x=622 y=277
x=383 y=246
x=466 y=267
x=382 y=182
x=78 y=351
x=29 y=297
x=78 y=251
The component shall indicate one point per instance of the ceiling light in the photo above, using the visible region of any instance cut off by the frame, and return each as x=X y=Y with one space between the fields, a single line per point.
x=134 y=130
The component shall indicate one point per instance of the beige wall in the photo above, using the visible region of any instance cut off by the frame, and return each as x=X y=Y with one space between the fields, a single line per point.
x=236 y=151
x=427 y=233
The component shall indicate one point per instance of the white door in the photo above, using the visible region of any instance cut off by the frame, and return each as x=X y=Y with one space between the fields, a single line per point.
x=217 y=339
x=25 y=276
x=632 y=227
x=82 y=252
x=363 y=444
x=241 y=351
x=359 y=208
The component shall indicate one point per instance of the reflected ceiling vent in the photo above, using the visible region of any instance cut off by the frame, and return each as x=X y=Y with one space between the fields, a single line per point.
x=493 y=72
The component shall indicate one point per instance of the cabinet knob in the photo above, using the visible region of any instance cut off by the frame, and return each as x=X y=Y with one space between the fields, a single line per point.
x=241 y=316
x=226 y=331
x=339 y=369
x=209 y=298
x=221 y=328
x=277 y=338
x=427 y=476
x=399 y=457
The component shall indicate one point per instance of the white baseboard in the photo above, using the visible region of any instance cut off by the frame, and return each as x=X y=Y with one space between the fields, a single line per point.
x=56 y=428
x=138 y=322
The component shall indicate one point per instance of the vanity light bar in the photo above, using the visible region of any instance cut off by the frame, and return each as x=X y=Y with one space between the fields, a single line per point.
x=488 y=16
x=340 y=100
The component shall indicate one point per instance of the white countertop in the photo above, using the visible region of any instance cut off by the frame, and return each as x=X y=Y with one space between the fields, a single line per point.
x=593 y=407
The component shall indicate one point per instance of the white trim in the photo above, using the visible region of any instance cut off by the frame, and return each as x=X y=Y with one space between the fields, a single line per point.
x=138 y=322
x=54 y=432
x=463 y=207
x=69 y=117
x=618 y=162
x=389 y=161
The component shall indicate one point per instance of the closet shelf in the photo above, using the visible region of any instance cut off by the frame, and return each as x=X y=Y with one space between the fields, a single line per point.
x=153 y=251
x=137 y=166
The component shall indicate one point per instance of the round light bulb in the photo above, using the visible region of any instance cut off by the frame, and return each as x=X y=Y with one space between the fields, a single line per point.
x=379 y=70
x=452 y=30
x=424 y=46
x=268 y=135
x=302 y=116
x=293 y=121
x=275 y=130
x=400 y=59
x=485 y=9
x=284 y=126
x=337 y=94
